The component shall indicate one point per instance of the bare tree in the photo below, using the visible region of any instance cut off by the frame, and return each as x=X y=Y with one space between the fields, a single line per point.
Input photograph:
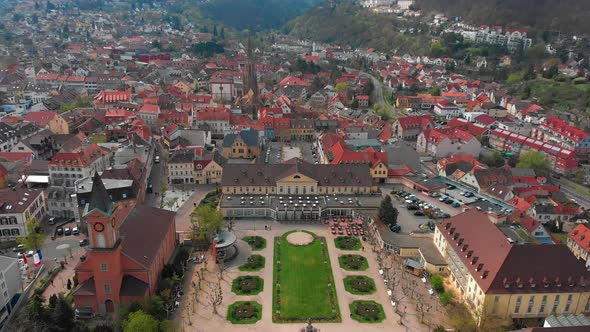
x=422 y=307
x=216 y=296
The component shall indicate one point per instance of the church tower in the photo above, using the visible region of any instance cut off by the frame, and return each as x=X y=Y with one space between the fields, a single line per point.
x=250 y=79
x=250 y=101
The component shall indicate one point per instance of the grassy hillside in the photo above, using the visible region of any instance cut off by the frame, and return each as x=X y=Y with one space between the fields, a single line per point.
x=565 y=15
x=349 y=24
x=255 y=15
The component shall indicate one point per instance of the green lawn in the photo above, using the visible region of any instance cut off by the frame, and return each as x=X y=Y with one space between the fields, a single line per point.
x=303 y=283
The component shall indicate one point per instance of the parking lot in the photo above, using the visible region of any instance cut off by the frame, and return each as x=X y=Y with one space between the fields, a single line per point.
x=277 y=152
x=417 y=211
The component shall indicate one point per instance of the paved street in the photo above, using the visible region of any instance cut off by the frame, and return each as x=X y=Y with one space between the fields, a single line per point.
x=157 y=175
x=575 y=191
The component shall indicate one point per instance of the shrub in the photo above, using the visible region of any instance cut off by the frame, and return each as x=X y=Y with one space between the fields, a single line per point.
x=437 y=283
x=446 y=297
x=244 y=312
x=353 y=262
x=359 y=285
x=256 y=242
x=254 y=263
x=347 y=243
x=367 y=311
x=247 y=285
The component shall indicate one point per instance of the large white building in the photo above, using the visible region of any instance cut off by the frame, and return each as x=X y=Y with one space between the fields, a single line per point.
x=11 y=284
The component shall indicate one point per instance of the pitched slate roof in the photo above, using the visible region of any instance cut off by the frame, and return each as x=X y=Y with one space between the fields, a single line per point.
x=250 y=138
x=269 y=174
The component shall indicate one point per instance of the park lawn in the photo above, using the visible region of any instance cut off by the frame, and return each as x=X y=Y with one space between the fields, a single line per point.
x=304 y=283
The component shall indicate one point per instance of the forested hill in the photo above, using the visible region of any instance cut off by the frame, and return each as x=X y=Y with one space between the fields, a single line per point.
x=255 y=15
x=349 y=24
x=572 y=16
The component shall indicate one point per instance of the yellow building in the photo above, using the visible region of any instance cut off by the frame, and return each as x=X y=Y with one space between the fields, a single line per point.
x=243 y=145
x=499 y=280
x=296 y=190
x=297 y=177
x=207 y=171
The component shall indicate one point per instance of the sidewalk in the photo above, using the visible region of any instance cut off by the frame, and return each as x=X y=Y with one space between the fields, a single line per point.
x=60 y=282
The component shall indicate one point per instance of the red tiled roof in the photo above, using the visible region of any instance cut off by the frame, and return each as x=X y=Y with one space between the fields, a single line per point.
x=214 y=114
x=113 y=96
x=415 y=121
x=82 y=158
x=40 y=119
x=341 y=155
x=292 y=80
x=150 y=108
x=581 y=236
x=479 y=244
x=27 y=157
x=485 y=119
x=560 y=127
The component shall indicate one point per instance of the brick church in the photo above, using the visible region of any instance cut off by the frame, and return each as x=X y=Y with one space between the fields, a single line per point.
x=129 y=246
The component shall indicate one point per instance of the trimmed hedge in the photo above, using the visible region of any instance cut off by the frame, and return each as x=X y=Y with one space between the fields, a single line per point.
x=359 y=285
x=367 y=311
x=255 y=242
x=353 y=262
x=247 y=285
x=254 y=263
x=347 y=243
x=244 y=312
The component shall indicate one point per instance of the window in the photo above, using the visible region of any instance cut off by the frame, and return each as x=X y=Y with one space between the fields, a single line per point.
x=496 y=299
x=103 y=267
x=518 y=302
x=107 y=288
x=568 y=303
x=555 y=304
x=531 y=303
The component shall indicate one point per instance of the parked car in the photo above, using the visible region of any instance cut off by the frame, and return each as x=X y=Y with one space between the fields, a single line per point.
x=456 y=204
x=157 y=159
x=419 y=213
x=19 y=248
x=67 y=231
x=434 y=194
x=83 y=242
x=469 y=194
x=449 y=201
x=59 y=231
x=412 y=207
x=451 y=187
x=395 y=228
x=445 y=215
x=30 y=253
x=150 y=188
x=52 y=220
x=75 y=231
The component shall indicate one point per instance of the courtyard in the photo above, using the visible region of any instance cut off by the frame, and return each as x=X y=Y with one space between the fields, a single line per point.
x=311 y=282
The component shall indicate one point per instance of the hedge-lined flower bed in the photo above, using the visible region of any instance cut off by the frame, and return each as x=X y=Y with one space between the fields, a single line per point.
x=353 y=262
x=244 y=312
x=247 y=285
x=254 y=263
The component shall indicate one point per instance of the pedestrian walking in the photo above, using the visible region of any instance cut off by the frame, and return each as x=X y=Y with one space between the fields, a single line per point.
x=363 y=247
x=265 y=227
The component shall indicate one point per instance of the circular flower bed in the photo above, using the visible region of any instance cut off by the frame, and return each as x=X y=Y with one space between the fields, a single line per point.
x=256 y=242
x=367 y=311
x=347 y=243
x=359 y=285
x=247 y=285
x=244 y=312
x=353 y=262
x=254 y=263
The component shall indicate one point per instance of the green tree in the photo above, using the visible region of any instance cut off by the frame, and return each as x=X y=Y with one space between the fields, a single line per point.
x=215 y=30
x=316 y=84
x=446 y=297
x=33 y=239
x=140 y=321
x=536 y=161
x=437 y=50
x=62 y=315
x=36 y=314
x=52 y=301
x=206 y=221
x=387 y=213
x=34 y=18
x=493 y=159
x=342 y=86
x=222 y=33
x=169 y=326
